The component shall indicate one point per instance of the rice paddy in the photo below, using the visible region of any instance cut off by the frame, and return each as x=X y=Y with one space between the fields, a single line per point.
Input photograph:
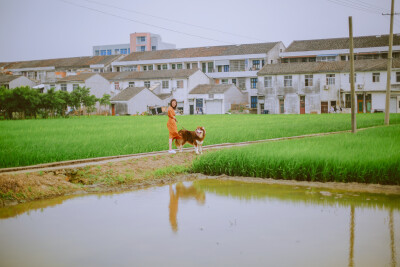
x=28 y=142
x=369 y=156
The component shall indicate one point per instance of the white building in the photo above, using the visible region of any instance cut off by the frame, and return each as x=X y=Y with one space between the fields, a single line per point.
x=315 y=87
x=232 y=64
x=11 y=81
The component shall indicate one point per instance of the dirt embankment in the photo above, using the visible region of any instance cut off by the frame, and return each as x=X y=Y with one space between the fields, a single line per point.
x=134 y=174
x=112 y=176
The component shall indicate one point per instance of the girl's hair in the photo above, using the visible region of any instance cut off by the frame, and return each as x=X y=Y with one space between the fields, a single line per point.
x=170 y=103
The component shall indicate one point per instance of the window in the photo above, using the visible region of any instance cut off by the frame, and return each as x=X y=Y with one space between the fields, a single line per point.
x=179 y=66
x=141 y=39
x=179 y=84
x=64 y=87
x=116 y=51
x=144 y=68
x=347 y=103
x=268 y=82
x=108 y=52
x=165 y=84
x=195 y=65
x=150 y=67
x=287 y=82
x=164 y=66
x=242 y=83
x=343 y=58
x=226 y=68
x=308 y=80
x=398 y=77
x=173 y=66
x=326 y=58
x=116 y=85
x=237 y=65
x=375 y=77
x=140 y=48
x=147 y=84
x=224 y=81
x=219 y=68
x=254 y=102
x=131 y=84
x=153 y=48
x=355 y=78
x=75 y=86
x=210 y=67
x=188 y=66
x=330 y=79
x=256 y=64
x=253 y=82
x=103 y=52
x=203 y=67
x=123 y=51
x=234 y=81
x=97 y=52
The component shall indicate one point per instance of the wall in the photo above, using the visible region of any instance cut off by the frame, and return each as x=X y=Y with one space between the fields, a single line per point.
x=21 y=81
x=98 y=85
x=142 y=100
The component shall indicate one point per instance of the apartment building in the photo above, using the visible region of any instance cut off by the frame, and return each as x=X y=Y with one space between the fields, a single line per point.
x=146 y=41
x=108 y=50
x=232 y=64
x=320 y=87
x=49 y=70
x=337 y=49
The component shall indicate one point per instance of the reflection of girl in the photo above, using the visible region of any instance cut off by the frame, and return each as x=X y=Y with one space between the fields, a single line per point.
x=171 y=125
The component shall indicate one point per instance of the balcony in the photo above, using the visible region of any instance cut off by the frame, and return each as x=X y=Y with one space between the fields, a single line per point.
x=279 y=88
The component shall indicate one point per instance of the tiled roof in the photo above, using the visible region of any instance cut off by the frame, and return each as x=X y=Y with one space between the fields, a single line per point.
x=77 y=78
x=145 y=75
x=211 y=88
x=324 y=67
x=7 y=78
x=128 y=93
x=71 y=62
x=208 y=51
x=342 y=43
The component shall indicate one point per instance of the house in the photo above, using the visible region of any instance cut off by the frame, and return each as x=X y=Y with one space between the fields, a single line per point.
x=134 y=100
x=229 y=64
x=315 y=87
x=337 y=49
x=11 y=81
x=166 y=84
x=98 y=84
x=215 y=98
x=48 y=70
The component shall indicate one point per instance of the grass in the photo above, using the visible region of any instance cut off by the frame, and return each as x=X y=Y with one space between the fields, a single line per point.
x=28 y=142
x=370 y=156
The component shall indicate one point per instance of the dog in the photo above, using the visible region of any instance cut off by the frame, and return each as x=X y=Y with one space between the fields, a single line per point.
x=195 y=138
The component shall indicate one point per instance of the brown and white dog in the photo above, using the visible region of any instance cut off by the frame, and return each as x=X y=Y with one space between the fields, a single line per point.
x=194 y=138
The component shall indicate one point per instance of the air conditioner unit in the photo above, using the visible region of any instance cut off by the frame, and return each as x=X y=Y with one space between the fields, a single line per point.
x=360 y=86
x=326 y=87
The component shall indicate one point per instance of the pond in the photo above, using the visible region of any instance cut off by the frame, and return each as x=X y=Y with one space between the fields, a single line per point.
x=206 y=222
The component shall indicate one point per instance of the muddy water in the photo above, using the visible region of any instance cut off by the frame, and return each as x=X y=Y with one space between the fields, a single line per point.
x=205 y=223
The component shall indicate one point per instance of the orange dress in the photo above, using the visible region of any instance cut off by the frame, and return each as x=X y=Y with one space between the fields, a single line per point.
x=171 y=125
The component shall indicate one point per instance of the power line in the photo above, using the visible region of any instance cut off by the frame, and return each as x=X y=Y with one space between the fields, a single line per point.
x=144 y=23
x=172 y=20
x=354 y=6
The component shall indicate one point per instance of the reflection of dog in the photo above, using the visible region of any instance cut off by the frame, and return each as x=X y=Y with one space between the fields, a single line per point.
x=194 y=138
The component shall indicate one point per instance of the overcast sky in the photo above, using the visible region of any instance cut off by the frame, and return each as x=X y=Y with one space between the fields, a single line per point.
x=41 y=29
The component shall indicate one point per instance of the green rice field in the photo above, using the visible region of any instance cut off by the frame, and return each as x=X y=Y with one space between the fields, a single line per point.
x=28 y=142
x=369 y=156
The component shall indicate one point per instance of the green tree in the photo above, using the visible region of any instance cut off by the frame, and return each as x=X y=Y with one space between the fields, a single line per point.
x=5 y=99
x=90 y=103
x=77 y=97
x=105 y=100
x=63 y=101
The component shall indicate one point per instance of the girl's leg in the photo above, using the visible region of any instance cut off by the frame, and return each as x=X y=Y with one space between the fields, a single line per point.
x=170 y=144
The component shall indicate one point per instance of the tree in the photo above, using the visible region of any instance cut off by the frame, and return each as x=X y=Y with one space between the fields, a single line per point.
x=5 y=98
x=105 y=100
x=90 y=103
x=77 y=96
x=63 y=101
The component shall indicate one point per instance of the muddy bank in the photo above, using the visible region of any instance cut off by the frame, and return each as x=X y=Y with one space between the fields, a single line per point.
x=135 y=174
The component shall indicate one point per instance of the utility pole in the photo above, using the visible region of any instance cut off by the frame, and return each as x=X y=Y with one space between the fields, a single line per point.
x=353 y=91
x=389 y=67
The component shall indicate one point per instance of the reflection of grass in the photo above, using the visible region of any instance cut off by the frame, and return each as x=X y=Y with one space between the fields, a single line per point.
x=370 y=156
x=28 y=142
x=312 y=196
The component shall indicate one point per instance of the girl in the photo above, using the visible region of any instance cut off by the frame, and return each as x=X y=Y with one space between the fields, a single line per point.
x=171 y=125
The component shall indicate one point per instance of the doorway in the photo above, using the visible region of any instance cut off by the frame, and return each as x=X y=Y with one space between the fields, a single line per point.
x=324 y=106
x=302 y=104
x=360 y=104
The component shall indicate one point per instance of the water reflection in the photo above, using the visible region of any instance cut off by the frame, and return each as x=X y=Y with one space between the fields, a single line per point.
x=352 y=224
x=183 y=192
x=392 y=241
